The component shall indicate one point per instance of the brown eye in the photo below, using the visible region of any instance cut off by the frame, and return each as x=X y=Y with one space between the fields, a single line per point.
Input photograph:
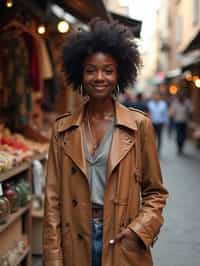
x=89 y=71
x=109 y=72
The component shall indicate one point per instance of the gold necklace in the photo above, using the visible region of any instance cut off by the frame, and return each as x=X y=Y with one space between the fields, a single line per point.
x=94 y=144
x=108 y=116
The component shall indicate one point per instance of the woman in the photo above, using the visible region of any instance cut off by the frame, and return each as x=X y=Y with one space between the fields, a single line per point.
x=102 y=160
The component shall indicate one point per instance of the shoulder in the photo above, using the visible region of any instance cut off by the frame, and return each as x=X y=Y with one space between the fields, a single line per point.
x=63 y=116
x=139 y=112
x=143 y=119
x=61 y=119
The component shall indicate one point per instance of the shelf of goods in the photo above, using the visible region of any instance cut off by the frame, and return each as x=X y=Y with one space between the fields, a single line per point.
x=16 y=230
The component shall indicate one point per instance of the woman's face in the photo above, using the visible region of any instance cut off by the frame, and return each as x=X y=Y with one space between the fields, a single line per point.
x=99 y=75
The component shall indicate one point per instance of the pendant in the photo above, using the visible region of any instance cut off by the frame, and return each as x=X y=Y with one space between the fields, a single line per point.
x=95 y=146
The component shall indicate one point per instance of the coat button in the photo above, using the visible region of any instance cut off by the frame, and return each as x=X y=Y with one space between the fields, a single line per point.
x=73 y=170
x=67 y=224
x=79 y=236
x=74 y=203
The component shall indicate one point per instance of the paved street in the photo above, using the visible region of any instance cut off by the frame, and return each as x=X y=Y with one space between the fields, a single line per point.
x=179 y=241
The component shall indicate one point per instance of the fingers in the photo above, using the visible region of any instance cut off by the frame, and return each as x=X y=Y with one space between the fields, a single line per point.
x=117 y=238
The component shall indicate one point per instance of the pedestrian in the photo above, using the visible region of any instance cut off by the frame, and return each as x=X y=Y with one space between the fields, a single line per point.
x=181 y=111
x=171 y=124
x=140 y=103
x=127 y=99
x=104 y=193
x=158 y=111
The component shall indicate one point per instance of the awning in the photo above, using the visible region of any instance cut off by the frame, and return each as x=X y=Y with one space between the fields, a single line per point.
x=190 y=60
x=174 y=73
x=84 y=10
x=194 y=44
x=195 y=64
x=135 y=25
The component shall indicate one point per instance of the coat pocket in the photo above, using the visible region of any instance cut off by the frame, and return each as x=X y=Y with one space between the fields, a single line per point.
x=134 y=255
x=131 y=245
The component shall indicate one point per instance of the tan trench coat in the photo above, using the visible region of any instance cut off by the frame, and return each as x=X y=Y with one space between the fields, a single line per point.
x=134 y=194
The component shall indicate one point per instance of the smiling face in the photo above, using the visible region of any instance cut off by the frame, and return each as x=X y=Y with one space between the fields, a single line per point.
x=99 y=75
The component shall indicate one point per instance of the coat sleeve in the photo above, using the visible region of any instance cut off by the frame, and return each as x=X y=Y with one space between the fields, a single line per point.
x=149 y=220
x=52 y=251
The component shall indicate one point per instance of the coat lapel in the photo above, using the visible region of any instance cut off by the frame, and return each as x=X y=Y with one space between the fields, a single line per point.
x=73 y=139
x=73 y=147
x=123 y=136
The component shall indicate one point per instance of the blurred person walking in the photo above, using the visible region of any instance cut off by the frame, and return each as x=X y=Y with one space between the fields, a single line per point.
x=104 y=193
x=158 y=111
x=140 y=103
x=181 y=111
x=128 y=99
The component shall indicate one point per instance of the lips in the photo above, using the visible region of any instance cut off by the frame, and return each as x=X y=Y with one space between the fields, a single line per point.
x=100 y=87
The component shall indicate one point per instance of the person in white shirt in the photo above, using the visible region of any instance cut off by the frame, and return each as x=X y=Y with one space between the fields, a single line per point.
x=158 y=111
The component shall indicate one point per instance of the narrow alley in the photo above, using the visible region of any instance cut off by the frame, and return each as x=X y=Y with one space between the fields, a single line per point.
x=179 y=240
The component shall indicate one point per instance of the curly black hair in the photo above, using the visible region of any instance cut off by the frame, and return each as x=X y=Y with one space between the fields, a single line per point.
x=112 y=38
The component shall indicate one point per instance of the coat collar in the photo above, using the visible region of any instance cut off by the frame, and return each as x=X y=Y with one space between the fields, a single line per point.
x=124 y=118
x=123 y=137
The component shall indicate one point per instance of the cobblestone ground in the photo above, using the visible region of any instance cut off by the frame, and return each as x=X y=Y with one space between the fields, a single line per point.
x=179 y=240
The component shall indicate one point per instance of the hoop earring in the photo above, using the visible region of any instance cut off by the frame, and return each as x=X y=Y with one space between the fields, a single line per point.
x=116 y=92
x=118 y=89
x=81 y=90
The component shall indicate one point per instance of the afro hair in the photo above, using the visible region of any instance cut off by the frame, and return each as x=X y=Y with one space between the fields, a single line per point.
x=110 y=38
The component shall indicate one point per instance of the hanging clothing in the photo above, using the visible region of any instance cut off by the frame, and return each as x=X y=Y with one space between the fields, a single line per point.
x=34 y=68
x=17 y=79
x=50 y=84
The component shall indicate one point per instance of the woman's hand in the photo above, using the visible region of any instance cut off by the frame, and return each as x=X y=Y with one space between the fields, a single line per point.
x=128 y=234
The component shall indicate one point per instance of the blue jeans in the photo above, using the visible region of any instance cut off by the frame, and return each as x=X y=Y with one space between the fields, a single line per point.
x=158 y=131
x=181 y=134
x=97 y=231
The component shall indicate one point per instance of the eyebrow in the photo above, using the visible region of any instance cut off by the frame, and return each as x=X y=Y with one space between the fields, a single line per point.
x=107 y=65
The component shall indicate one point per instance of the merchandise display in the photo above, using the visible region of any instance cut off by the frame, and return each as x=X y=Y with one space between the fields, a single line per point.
x=13 y=196
x=4 y=207
x=15 y=215
x=15 y=149
x=24 y=190
x=38 y=177
x=13 y=255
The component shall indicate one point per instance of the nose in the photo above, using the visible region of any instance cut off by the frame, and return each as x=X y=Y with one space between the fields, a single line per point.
x=99 y=75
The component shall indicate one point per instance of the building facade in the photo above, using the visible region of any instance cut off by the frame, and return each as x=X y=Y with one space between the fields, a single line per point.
x=182 y=51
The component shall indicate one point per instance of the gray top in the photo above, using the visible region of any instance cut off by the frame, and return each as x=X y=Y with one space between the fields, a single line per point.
x=97 y=165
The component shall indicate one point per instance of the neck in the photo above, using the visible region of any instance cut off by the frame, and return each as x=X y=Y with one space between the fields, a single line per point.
x=100 y=108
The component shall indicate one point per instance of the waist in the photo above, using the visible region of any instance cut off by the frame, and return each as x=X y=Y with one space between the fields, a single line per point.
x=97 y=211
